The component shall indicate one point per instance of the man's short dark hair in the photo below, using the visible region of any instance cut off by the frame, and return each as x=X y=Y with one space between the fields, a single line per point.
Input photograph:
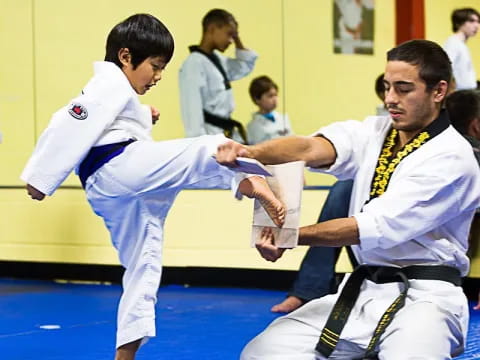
x=463 y=107
x=260 y=86
x=218 y=17
x=461 y=16
x=380 y=87
x=144 y=36
x=432 y=61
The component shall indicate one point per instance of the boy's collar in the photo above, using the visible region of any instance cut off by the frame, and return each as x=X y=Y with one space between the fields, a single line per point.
x=269 y=116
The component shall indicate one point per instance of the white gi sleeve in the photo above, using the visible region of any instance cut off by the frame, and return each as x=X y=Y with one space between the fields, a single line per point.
x=432 y=192
x=241 y=65
x=349 y=139
x=72 y=131
x=192 y=80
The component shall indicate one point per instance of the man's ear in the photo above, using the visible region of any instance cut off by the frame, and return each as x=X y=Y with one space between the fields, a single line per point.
x=124 y=56
x=474 y=128
x=440 y=91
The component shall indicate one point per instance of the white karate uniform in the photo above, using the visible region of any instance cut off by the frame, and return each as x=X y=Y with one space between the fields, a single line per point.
x=202 y=87
x=462 y=66
x=423 y=218
x=134 y=191
x=261 y=129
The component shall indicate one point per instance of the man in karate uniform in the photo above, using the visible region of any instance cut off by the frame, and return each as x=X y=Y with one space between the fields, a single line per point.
x=416 y=189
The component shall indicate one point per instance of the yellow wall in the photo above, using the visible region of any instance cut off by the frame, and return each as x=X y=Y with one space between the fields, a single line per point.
x=64 y=229
x=48 y=47
x=17 y=108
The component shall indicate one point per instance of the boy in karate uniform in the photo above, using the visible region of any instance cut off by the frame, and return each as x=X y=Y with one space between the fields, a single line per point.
x=130 y=180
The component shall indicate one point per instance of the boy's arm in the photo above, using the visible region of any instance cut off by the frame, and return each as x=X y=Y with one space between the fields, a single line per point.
x=72 y=131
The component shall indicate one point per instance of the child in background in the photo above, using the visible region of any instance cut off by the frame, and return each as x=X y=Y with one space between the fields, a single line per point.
x=266 y=123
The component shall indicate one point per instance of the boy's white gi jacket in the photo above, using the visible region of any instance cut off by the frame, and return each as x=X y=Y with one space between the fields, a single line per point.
x=107 y=111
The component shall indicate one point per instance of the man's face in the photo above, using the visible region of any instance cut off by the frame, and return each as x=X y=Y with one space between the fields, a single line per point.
x=222 y=35
x=470 y=27
x=410 y=104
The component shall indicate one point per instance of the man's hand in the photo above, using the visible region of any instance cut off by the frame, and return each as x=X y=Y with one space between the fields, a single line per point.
x=266 y=247
x=236 y=37
x=34 y=193
x=228 y=152
x=155 y=114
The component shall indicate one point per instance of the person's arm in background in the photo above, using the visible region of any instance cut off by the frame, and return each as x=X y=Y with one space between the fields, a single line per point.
x=244 y=60
x=191 y=82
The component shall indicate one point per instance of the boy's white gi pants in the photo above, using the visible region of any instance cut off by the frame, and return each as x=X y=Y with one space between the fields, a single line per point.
x=133 y=193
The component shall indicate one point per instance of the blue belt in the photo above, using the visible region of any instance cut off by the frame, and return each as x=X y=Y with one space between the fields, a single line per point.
x=98 y=156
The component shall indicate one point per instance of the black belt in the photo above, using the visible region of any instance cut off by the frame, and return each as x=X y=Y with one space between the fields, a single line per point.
x=226 y=124
x=98 y=156
x=380 y=275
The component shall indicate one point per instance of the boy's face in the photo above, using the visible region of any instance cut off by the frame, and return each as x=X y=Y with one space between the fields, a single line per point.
x=222 y=35
x=411 y=105
x=145 y=75
x=268 y=101
x=470 y=27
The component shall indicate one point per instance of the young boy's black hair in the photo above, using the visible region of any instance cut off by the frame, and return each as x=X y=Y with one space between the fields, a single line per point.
x=144 y=36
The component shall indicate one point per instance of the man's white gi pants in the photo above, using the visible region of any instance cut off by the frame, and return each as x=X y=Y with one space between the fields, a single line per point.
x=432 y=325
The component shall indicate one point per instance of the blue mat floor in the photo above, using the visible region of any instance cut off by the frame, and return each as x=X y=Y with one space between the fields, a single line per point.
x=53 y=321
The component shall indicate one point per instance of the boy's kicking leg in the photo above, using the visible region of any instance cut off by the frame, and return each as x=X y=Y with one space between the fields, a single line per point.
x=133 y=193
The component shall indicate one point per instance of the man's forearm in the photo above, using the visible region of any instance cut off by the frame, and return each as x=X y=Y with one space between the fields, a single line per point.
x=332 y=233
x=315 y=151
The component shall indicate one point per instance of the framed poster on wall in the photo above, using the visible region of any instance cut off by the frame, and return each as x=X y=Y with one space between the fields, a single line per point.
x=353 y=26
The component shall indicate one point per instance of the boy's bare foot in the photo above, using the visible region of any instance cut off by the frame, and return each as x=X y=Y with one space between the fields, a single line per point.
x=127 y=351
x=257 y=187
x=288 y=305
